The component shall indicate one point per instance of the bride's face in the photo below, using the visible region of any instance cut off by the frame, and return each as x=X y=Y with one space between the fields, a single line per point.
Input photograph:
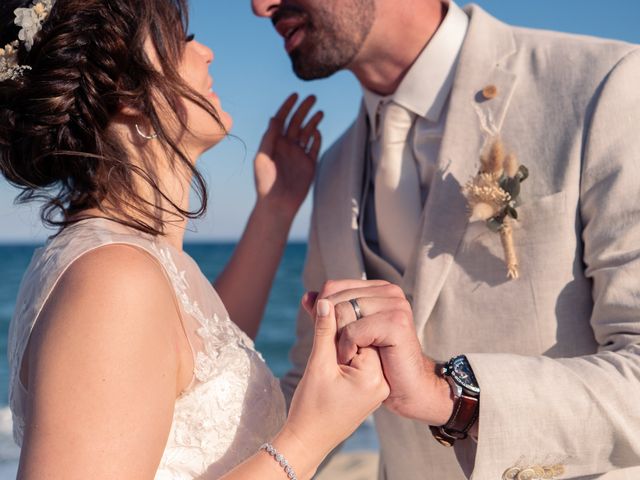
x=203 y=130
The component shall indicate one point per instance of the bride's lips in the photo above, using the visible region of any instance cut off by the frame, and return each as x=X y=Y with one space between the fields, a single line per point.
x=292 y=29
x=209 y=91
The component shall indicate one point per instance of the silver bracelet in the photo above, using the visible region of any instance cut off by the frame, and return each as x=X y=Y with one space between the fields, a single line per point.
x=288 y=469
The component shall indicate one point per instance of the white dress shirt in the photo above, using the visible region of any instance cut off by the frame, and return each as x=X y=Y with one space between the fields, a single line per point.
x=424 y=91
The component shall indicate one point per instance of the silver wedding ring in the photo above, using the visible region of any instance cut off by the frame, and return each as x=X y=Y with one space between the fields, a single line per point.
x=356 y=308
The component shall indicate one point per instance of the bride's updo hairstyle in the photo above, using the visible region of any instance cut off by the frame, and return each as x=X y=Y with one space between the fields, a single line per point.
x=86 y=63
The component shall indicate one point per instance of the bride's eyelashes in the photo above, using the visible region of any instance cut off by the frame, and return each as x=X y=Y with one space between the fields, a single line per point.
x=190 y=37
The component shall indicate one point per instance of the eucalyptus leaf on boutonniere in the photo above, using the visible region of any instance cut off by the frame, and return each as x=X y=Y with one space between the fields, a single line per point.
x=493 y=197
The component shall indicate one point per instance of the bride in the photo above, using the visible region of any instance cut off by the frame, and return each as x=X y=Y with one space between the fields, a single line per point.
x=125 y=362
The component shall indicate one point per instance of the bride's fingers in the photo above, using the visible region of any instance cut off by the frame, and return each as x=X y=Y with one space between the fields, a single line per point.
x=324 y=342
x=295 y=124
x=269 y=138
x=314 y=150
x=285 y=108
x=311 y=126
x=309 y=301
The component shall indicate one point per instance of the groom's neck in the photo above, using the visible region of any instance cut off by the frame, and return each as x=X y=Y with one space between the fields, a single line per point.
x=399 y=34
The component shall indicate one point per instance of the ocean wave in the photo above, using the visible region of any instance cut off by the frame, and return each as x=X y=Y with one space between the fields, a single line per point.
x=9 y=451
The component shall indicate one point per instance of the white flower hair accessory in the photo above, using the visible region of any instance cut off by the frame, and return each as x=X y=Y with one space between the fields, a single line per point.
x=9 y=68
x=30 y=20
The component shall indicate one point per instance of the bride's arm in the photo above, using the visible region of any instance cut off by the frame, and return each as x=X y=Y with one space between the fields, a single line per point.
x=103 y=371
x=284 y=173
x=105 y=367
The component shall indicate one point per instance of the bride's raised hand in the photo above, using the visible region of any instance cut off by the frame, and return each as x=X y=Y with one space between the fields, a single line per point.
x=286 y=162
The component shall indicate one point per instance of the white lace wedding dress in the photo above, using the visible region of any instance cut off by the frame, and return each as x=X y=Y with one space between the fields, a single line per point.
x=233 y=404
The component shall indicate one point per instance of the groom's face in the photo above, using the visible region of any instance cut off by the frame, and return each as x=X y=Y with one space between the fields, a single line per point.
x=321 y=36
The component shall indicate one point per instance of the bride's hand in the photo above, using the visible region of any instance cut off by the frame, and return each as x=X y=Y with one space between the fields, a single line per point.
x=285 y=165
x=333 y=399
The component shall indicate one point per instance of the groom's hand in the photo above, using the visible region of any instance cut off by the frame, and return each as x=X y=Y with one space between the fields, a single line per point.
x=417 y=391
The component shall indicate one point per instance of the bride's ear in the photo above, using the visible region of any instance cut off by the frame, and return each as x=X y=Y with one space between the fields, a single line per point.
x=129 y=110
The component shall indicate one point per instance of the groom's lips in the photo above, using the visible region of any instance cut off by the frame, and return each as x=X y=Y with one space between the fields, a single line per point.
x=292 y=29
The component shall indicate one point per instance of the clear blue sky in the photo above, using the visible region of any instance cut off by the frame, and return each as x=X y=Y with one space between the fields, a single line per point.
x=252 y=76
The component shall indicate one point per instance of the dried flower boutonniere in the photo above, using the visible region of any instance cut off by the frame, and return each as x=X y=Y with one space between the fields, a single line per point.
x=493 y=196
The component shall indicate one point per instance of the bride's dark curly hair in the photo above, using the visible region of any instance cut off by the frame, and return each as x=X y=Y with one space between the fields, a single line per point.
x=88 y=62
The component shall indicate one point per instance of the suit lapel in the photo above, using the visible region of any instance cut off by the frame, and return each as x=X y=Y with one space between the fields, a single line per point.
x=338 y=196
x=471 y=121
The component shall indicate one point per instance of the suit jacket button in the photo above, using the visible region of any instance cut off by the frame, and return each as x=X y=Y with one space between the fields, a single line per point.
x=539 y=471
x=511 y=473
x=489 y=92
x=527 y=474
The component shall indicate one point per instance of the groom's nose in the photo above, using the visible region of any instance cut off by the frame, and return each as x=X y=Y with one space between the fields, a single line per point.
x=265 y=8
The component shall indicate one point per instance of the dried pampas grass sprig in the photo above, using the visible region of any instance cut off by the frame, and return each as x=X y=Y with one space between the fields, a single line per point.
x=493 y=195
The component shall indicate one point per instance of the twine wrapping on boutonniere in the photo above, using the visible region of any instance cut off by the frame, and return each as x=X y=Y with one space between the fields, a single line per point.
x=493 y=196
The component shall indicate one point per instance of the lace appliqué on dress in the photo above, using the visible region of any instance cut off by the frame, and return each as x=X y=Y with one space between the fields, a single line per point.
x=233 y=385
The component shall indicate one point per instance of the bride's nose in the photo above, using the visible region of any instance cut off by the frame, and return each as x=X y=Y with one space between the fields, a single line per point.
x=205 y=52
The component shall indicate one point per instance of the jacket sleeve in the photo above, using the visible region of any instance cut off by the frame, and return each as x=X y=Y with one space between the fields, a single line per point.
x=582 y=413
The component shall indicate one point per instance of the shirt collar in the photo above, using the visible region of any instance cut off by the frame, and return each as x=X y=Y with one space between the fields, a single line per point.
x=426 y=86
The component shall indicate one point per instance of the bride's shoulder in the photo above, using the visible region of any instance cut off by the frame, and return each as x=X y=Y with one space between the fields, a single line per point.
x=105 y=344
x=113 y=291
x=119 y=274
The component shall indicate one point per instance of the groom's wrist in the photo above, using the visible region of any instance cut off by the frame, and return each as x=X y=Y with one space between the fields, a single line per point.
x=439 y=402
x=430 y=401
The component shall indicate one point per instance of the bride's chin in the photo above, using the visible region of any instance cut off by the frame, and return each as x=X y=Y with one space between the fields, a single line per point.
x=227 y=120
x=213 y=140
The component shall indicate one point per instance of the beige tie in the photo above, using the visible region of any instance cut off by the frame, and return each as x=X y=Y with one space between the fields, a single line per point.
x=397 y=188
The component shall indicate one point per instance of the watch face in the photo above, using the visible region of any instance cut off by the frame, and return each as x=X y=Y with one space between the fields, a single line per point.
x=463 y=375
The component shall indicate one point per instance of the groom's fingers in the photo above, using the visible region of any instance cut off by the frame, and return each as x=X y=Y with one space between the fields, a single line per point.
x=366 y=360
x=332 y=287
x=381 y=330
x=346 y=314
x=376 y=290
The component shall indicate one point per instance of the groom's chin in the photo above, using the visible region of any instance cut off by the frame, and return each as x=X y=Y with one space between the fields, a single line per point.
x=306 y=69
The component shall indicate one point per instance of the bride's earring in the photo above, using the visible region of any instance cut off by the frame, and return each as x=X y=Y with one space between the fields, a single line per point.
x=145 y=136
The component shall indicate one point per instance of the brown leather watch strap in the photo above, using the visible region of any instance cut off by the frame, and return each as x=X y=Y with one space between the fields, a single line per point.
x=464 y=416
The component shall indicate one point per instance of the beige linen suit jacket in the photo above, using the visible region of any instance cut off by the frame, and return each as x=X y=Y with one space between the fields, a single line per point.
x=556 y=352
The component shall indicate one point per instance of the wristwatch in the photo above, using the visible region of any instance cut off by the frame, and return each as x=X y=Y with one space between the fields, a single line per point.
x=466 y=404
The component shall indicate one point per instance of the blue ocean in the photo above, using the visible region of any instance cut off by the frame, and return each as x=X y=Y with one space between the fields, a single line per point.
x=274 y=340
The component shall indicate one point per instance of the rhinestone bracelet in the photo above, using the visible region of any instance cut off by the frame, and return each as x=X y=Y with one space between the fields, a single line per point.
x=288 y=469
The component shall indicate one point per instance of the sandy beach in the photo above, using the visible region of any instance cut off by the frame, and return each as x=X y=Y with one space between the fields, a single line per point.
x=344 y=466
x=351 y=466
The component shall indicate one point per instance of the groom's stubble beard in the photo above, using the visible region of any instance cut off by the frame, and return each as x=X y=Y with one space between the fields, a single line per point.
x=333 y=38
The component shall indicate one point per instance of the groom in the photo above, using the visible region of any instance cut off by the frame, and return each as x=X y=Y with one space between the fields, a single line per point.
x=549 y=386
